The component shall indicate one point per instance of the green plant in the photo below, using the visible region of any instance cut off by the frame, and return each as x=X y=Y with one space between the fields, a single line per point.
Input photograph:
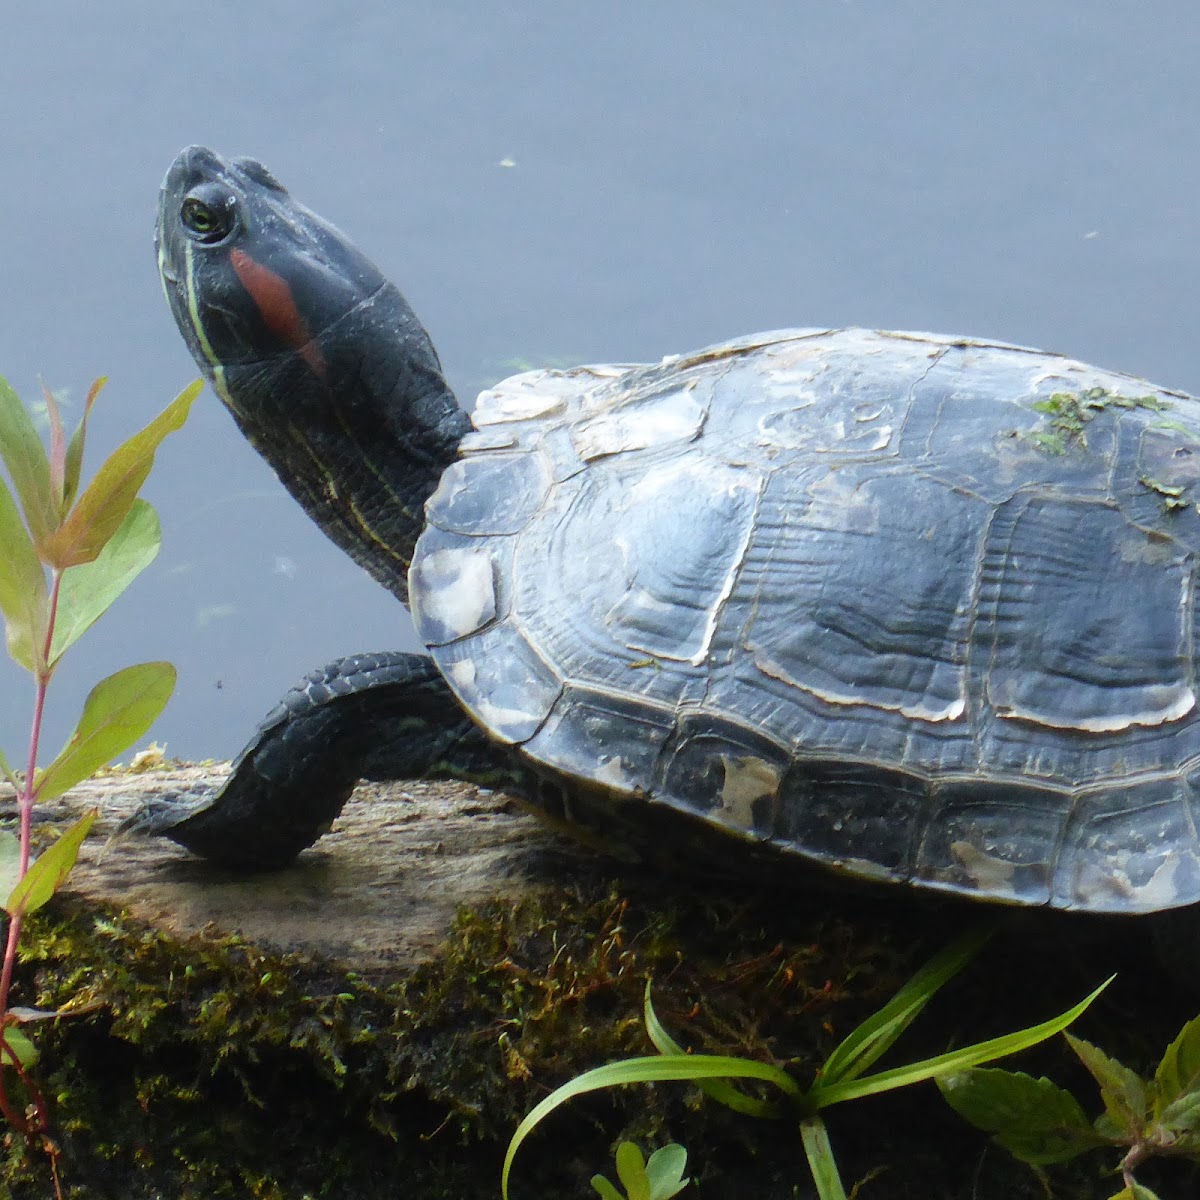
x=659 y=1179
x=842 y=1077
x=64 y=559
x=1040 y=1123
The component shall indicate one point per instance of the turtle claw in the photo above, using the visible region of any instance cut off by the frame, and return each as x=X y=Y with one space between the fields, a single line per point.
x=159 y=815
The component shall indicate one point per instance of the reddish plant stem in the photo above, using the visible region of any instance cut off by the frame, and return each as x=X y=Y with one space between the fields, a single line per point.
x=37 y=1127
x=25 y=807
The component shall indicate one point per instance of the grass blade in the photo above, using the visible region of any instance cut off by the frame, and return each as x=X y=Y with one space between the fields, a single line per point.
x=956 y=1060
x=650 y=1069
x=861 y=1048
x=821 y=1162
x=717 y=1089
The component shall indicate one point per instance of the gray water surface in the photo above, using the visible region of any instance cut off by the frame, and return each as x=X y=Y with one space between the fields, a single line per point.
x=559 y=183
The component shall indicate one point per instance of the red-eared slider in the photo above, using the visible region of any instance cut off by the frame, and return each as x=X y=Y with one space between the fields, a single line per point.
x=911 y=608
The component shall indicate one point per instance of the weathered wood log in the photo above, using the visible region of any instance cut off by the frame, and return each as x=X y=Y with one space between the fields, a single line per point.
x=378 y=891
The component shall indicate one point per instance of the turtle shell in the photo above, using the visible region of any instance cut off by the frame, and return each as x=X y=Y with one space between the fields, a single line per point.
x=915 y=608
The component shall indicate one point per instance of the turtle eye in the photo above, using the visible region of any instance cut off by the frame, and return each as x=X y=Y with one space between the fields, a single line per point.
x=208 y=213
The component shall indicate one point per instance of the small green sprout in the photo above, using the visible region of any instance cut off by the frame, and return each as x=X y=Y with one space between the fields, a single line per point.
x=659 y=1179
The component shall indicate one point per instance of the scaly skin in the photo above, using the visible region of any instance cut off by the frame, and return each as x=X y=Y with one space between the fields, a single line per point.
x=369 y=716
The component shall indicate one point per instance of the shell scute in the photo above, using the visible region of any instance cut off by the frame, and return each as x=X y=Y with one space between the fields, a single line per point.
x=803 y=395
x=654 y=419
x=1057 y=581
x=857 y=590
x=453 y=592
x=1131 y=849
x=609 y=740
x=998 y=840
x=501 y=679
x=725 y=773
x=852 y=816
x=1157 y=479
x=489 y=493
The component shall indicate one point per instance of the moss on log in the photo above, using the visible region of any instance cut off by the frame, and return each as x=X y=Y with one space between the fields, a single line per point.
x=374 y=1021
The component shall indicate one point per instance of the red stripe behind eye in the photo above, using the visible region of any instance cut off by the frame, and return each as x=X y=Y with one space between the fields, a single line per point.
x=272 y=295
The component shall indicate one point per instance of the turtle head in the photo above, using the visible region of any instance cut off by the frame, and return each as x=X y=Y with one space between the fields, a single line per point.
x=253 y=278
x=318 y=357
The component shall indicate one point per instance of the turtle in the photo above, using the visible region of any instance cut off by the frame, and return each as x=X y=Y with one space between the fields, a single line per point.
x=894 y=607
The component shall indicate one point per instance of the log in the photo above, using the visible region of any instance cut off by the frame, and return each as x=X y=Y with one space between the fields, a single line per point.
x=378 y=892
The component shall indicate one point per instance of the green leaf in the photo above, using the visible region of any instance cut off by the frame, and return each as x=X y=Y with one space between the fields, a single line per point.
x=1123 y=1091
x=23 y=597
x=861 y=1048
x=631 y=1171
x=88 y=590
x=24 y=1016
x=605 y=1189
x=821 y=1162
x=718 y=1089
x=6 y=772
x=1033 y=1119
x=956 y=1060
x=1136 y=1192
x=659 y=1179
x=665 y=1172
x=25 y=457
x=654 y=1069
x=58 y=450
x=25 y=1052
x=10 y=861
x=104 y=505
x=47 y=872
x=74 y=464
x=1179 y=1070
x=117 y=711
x=1182 y=1116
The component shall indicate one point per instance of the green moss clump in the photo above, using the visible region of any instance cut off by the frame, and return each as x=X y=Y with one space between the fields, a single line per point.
x=207 y=1068
x=1068 y=414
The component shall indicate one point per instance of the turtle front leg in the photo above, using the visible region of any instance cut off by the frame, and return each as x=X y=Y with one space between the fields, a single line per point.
x=369 y=716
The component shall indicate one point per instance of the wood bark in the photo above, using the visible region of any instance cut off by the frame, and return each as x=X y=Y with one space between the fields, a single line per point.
x=378 y=891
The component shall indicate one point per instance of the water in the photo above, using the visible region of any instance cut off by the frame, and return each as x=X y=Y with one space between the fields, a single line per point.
x=554 y=182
